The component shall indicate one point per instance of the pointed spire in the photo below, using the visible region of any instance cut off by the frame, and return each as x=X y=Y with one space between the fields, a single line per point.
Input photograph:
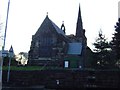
x=79 y=27
x=79 y=20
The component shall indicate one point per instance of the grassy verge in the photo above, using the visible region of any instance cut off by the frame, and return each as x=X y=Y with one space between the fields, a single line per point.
x=29 y=68
x=22 y=68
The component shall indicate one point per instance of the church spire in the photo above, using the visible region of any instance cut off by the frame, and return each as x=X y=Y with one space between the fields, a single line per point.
x=79 y=26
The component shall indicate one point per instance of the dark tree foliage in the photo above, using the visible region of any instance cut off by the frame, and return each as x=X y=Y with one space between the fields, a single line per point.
x=115 y=43
x=6 y=61
x=101 y=43
x=102 y=52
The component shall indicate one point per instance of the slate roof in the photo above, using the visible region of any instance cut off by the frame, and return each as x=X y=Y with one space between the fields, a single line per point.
x=58 y=29
x=49 y=24
x=75 y=48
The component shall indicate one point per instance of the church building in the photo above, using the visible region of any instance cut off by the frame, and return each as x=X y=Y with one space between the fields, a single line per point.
x=51 y=46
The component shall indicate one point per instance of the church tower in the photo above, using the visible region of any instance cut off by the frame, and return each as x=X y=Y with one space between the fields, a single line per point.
x=80 y=37
x=79 y=27
x=80 y=32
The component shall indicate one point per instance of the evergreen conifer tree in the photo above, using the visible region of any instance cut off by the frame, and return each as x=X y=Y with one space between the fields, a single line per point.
x=101 y=50
x=115 y=43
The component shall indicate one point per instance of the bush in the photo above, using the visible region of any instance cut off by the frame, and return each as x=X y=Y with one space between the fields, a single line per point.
x=6 y=61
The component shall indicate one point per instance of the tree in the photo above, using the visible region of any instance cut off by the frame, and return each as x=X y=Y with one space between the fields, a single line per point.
x=115 y=43
x=6 y=61
x=101 y=43
x=102 y=52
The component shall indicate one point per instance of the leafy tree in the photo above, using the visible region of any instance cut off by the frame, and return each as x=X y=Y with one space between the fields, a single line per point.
x=115 y=43
x=102 y=52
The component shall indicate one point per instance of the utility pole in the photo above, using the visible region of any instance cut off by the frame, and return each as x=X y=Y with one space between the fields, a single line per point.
x=3 y=47
x=6 y=25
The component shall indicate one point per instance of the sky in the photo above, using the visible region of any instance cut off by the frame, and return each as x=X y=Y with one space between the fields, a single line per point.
x=26 y=16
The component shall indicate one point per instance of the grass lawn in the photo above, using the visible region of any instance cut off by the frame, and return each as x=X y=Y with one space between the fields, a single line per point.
x=29 y=68
x=22 y=68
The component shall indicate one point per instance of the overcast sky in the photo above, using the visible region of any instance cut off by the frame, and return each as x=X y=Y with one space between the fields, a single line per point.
x=26 y=16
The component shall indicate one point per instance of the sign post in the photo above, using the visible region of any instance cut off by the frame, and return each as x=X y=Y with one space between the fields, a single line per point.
x=1 y=70
x=11 y=54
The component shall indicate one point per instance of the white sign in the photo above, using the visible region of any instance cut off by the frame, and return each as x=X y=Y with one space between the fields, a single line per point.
x=66 y=65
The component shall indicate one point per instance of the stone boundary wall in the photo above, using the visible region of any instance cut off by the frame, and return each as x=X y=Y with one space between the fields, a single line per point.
x=64 y=79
